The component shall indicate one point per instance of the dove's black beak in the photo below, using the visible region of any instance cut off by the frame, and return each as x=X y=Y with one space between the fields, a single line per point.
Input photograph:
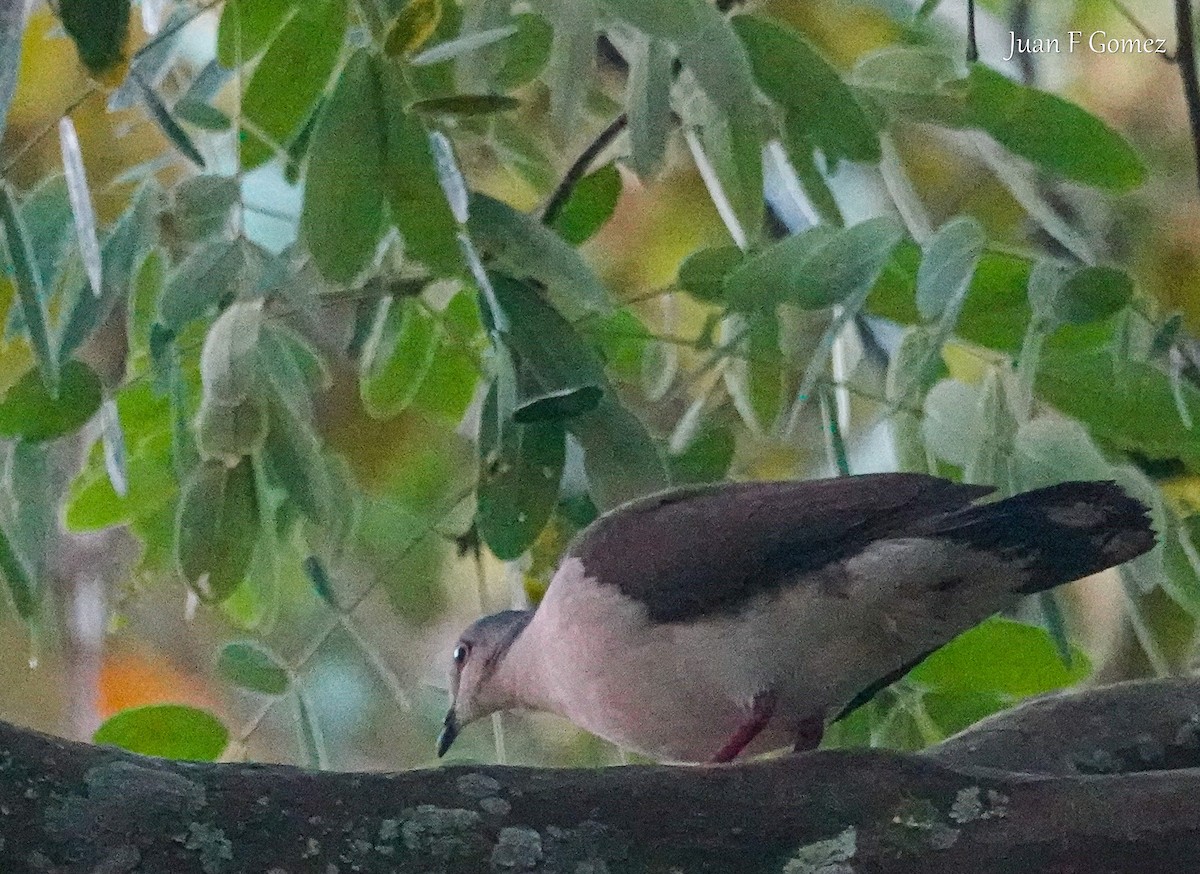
x=449 y=733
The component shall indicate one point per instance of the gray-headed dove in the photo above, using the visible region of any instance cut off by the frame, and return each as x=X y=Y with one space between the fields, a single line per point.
x=702 y=623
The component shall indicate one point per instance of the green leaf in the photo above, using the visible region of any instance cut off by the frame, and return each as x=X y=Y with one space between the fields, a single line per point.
x=166 y=121
x=1092 y=294
x=246 y=27
x=817 y=268
x=294 y=461
x=206 y=278
x=342 y=216
x=411 y=184
x=217 y=528
x=648 y=98
x=397 y=356
x=253 y=667
x=558 y=375
x=948 y=264
x=917 y=82
x=291 y=75
x=707 y=457
x=99 y=28
x=706 y=44
x=1000 y=656
x=228 y=363
x=590 y=205
x=821 y=108
x=21 y=582
x=1054 y=134
x=526 y=54
x=523 y=247
x=202 y=207
x=727 y=148
x=774 y=274
x=29 y=412
x=619 y=456
x=1128 y=404
x=520 y=467
x=170 y=731
x=413 y=27
x=29 y=288
x=466 y=104
x=704 y=274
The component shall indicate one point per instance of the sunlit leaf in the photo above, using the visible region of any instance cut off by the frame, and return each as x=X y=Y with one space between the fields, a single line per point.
x=456 y=48
x=397 y=356
x=1001 y=656
x=171 y=731
x=246 y=27
x=590 y=205
x=251 y=666
x=217 y=528
x=291 y=75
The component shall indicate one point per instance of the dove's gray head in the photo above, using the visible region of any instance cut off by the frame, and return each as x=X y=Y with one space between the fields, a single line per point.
x=476 y=657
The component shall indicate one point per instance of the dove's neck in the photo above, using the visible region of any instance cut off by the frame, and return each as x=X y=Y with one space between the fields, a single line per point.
x=521 y=679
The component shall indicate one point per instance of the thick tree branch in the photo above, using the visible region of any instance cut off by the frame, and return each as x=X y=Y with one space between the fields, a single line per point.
x=67 y=807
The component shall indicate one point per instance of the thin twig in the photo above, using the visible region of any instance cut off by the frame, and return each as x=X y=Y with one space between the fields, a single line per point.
x=972 y=46
x=579 y=169
x=1186 y=55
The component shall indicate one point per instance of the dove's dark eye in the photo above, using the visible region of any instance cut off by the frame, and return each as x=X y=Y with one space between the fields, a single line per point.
x=460 y=654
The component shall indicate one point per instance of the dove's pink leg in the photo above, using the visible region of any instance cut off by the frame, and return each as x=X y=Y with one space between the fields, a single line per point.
x=760 y=714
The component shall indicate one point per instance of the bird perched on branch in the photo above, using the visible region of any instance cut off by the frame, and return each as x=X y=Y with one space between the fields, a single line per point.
x=702 y=623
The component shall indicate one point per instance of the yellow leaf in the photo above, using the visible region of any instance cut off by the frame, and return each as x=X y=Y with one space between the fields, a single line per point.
x=412 y=27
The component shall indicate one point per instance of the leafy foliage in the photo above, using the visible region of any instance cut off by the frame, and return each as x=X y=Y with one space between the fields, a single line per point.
x=358 y=211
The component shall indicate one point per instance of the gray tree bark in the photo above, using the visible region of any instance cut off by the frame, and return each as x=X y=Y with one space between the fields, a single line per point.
x=1103 y=780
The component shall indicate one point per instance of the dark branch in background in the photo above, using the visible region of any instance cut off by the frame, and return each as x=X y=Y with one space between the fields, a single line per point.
x=1048 y=786
x=1185 y=54
x=580 y=168
x=972 y=46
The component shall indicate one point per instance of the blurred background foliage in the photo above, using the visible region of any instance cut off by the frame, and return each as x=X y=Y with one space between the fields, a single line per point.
x=329 y=324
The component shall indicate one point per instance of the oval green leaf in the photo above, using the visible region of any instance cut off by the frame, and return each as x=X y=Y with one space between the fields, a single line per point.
x=520 y=468
x=216 y=529
x=1092 y=294
x=590 y=205
x=342 y=217
x=397 y=356
x=170 y=731
x=702 y=274
x=251 y=666
x=948 y=264
x=29 y=412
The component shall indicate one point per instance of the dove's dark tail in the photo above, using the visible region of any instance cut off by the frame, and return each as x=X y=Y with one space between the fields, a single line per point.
x=1065 y=532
